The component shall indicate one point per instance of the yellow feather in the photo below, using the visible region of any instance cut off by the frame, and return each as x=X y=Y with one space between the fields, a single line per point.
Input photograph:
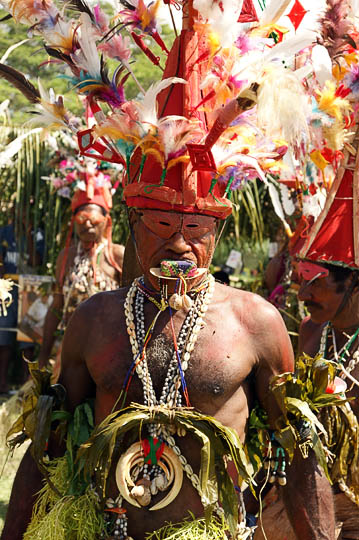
x=331 y=104
x=156 y=154
x=318 y=159
x=338 y=72
x=180 y=159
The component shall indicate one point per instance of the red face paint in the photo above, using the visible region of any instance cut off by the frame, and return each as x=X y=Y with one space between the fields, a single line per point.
x=166 y=224
x=94 y=216
x=310 y=271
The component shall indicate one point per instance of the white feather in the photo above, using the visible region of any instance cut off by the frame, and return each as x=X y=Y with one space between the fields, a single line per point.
x=313 y=204
x=14 y=147
x=222 y=18
x=147 y=109
x=287 y=202
x=273 y=193
x=86 y=57
x=273 y=11
x=322 y=64
x=283 y=108
x=291 y=46
x=222 y=155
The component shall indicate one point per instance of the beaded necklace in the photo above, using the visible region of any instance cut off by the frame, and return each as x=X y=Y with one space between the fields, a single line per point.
x=170 y=395
x=183 y=345
x=83 y=279
x=342 y=355
x=148 y=478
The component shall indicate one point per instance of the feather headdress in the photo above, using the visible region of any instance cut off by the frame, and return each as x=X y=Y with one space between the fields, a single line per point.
x=233 y=101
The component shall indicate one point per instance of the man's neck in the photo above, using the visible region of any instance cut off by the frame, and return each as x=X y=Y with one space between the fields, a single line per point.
x=348 y=319
x=87 y=246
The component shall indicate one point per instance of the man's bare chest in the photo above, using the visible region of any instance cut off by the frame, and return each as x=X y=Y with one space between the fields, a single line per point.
x=217 y=364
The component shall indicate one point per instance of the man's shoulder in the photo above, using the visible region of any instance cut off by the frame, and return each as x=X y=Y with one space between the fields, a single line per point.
x=249 y=311
x=307 y=326
x=253 y=305
x=98 y=312
x=68 y=252
x=106 y=299
x=118 y=248
x=118 y=251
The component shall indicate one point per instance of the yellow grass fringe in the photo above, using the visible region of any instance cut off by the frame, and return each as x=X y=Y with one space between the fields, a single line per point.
x=65 y=518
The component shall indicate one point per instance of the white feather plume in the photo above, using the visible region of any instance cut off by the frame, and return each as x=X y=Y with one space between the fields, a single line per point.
x=322 y=64
x=291 y=46
x=274 y=195
x=13 y=148
x=222 y=18
x=87 y=57
x=273 y=11
x=283 y=108
x=147 y=108
x=287 y=201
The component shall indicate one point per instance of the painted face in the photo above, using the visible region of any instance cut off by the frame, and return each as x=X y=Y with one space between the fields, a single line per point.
x=319 y=292
x=90 y=223
x=164 y=235
x=310 y=272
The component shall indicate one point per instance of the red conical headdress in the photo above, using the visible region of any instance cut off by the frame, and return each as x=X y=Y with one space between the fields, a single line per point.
x=183 y=188
x=188 y=185
x=334 y=237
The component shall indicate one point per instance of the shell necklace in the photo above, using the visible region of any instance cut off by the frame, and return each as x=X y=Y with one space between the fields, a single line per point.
x=137 y=480
x=185 y=343
x=343 y=354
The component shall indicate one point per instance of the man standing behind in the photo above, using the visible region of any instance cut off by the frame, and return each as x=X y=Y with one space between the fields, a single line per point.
x=329 y=271
x=91 y=265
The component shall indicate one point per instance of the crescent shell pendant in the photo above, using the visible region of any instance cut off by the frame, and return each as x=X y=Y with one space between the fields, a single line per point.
x=169 y=463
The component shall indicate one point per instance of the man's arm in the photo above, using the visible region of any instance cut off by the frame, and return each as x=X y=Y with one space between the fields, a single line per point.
x=53 y=317
x=27 y=483
x=307 y=495
x=79 y=387
x=118 y=253
x=308 y=499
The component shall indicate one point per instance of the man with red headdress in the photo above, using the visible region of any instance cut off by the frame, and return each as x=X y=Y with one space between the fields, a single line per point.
x=175 y=363
x=329 y=270
x=327 y=264
x=92 y=265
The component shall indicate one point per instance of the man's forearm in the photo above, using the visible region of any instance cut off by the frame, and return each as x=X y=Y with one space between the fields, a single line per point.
x=51 y=323
x=309 y=501
x=27 y=483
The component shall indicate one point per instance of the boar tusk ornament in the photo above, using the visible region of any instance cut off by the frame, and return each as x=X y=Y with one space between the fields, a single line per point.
x=137 y=491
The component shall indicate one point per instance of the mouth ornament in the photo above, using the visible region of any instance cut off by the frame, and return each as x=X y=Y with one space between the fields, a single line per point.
x=180 y=271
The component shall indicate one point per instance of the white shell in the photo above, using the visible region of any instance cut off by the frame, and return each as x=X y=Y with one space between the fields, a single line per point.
x=175 y=301
x=137 y=491
x=187 y=302
x=161 y=482
x=145 y=499
x=153 y=487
